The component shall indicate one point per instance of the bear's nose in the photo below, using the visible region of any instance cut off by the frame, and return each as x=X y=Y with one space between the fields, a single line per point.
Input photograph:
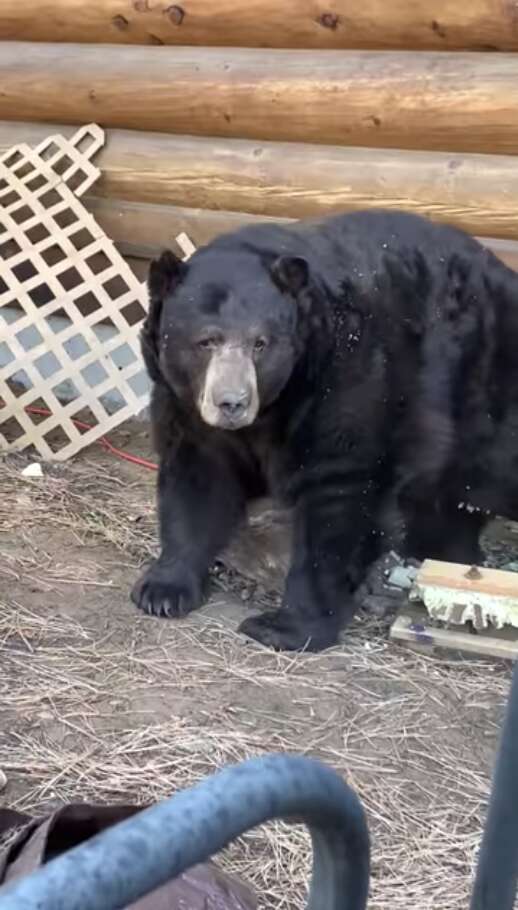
x=232 y=404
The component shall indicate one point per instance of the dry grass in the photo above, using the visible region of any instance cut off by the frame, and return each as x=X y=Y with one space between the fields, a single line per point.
x=119 y=708
x=88 y=499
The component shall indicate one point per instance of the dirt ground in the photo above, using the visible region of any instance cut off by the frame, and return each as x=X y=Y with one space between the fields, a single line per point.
x=98 y=702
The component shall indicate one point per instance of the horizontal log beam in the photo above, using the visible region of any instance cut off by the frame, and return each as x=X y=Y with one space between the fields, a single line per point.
x=474 y=25
x=396 y=99
x=476 y=192
x=142 y=230
x=506 y=250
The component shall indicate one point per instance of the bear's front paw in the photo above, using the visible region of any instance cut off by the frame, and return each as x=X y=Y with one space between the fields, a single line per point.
x=285 y=631
x=168 y=589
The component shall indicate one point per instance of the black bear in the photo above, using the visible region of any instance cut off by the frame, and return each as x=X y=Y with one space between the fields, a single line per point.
x=363 y=369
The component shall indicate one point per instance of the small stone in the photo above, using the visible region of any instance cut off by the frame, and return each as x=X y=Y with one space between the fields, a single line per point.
x=402 y=577
x=33 y=470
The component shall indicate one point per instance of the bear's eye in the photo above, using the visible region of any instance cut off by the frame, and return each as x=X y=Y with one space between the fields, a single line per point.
x=259 y=345
x=207 y=344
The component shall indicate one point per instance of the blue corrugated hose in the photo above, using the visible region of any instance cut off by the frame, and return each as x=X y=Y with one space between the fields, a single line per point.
x=134 y=857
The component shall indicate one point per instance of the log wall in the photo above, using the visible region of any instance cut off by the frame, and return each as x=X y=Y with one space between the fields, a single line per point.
x=478 y=193
x=391 y=24
x=464 y=102
x=257 y=110
x=141 y=231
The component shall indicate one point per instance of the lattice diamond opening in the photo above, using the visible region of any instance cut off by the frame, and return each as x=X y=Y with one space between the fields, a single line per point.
x=70 y=306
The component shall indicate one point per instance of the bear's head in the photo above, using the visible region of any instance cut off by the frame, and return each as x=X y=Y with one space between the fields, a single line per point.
x=225 y=330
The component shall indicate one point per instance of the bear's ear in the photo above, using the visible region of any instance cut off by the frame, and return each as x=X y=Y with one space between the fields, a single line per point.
x=149 y=339
x=164 y=275
x=291 y=274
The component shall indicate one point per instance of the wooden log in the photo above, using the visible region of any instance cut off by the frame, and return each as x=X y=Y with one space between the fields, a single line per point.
x=474 y=25
x=143 y=230
x=467 y=579
x=506 y=250
x=414 y=628
x=139 y=265
x=432 y=101
x=478 y=193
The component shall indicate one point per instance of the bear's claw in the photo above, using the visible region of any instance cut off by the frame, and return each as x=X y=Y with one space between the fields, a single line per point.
x=170 y=591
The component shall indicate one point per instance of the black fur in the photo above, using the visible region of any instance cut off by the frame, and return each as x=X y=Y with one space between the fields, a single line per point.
x=389 y=407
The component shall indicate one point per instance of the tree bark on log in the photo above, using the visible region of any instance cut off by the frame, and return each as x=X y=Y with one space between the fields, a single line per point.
x=142 y=230
x=434 y=101
x=478 y=193
x=398 y=24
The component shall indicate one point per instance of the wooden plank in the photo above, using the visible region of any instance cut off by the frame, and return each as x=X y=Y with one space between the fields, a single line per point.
x=477 y=25
x=143 y=230
x=450 y=101
x=413 y=627
x=458 y=594
x=479 y=580
x=476 y=192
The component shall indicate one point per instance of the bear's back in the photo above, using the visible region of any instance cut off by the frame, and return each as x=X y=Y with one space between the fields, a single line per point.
x=354 y=246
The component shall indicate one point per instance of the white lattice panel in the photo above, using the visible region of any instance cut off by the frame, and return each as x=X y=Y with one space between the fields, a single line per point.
x=70 y=306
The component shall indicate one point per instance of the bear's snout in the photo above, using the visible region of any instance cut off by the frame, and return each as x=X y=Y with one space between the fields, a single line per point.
x=229 y=397
x=232 y=403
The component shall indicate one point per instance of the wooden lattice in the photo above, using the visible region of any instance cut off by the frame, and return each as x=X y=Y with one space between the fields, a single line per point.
x=70 y=306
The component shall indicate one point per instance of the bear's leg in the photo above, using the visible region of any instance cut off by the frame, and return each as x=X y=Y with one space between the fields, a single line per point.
x=450 y=534
x=200 y=503
x=334 y=544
